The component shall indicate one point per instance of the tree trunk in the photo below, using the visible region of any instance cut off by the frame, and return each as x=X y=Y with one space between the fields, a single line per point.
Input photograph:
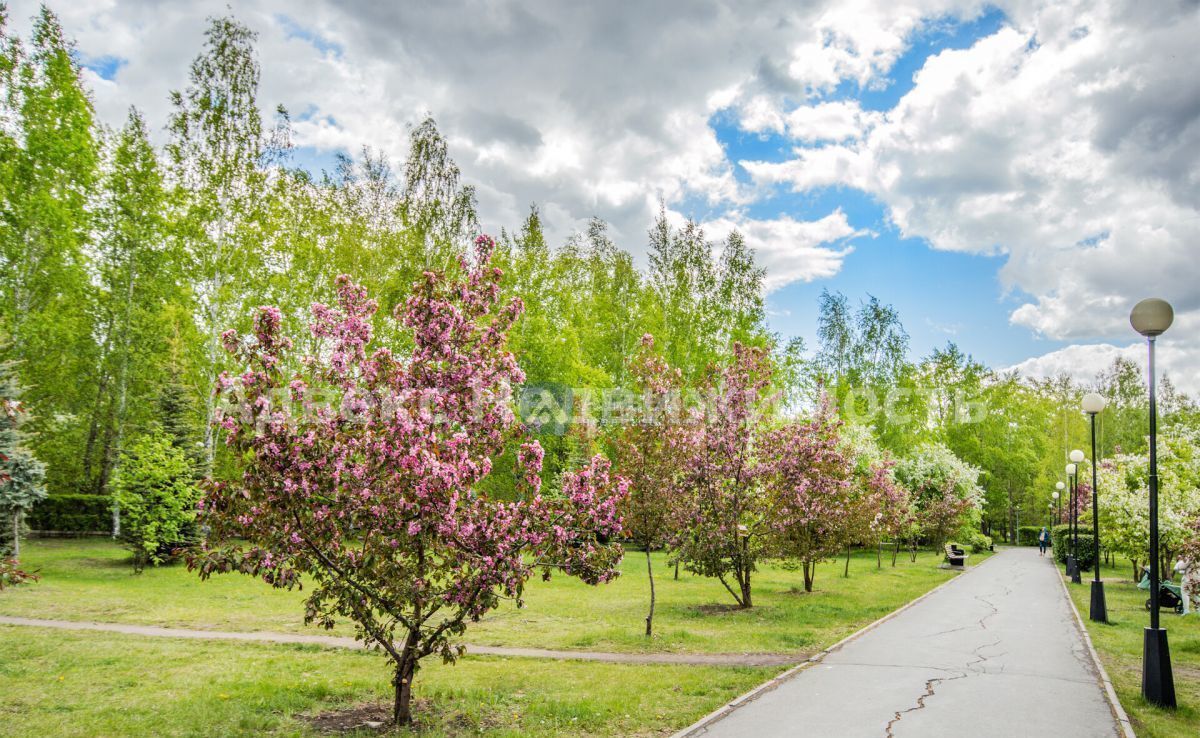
x=744 y=582
x=405 y=670
x=810 y=573
x=677 y=570
x=846 y=572
x=879 y=555
x=895 y=552
x=89 y=447
x=650 y=616
x=116 y=422
x=111 y=431
x=210 y=399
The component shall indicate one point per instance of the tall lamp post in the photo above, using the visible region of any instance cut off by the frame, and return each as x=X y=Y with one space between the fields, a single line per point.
x=1058 y=487
x=1093 y=404
x=1072 y=562
x=1050 y=514
x=1152 y=318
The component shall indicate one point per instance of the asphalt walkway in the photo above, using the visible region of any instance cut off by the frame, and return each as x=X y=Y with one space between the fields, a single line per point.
x=995 y=652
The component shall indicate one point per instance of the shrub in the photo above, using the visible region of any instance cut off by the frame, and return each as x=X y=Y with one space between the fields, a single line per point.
x=978 y=542
x=1061 y=540
x=1027 y=535
x=155 y=490
x=72 y=513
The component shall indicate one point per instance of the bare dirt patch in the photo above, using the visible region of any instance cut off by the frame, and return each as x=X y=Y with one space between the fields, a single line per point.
x=719 y=609
x=367 y=717
x=375 y=718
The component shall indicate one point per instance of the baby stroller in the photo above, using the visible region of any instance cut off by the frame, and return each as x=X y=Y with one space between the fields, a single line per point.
x=1169 y=593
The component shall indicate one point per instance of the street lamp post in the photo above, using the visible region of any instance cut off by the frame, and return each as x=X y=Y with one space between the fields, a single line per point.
x=1058 y=487
x=1076 y=460
x=1093 y=404
x=1072 y=562
x=1152 y=318
x=1050 y=515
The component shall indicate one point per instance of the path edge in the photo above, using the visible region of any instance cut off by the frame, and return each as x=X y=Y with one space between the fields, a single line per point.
x=703 y=723
x=722 y=660
x=1110 y=694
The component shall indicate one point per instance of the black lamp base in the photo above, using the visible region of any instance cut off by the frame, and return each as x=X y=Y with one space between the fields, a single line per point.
x=1071 y=567
x=1099 y=611
x=1158 y=685
x=1077 y=575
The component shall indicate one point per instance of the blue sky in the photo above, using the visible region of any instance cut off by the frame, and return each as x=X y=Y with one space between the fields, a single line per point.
x=941 y=295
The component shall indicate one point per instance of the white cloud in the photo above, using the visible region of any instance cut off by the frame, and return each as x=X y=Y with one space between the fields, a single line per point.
x=792 y=250
x=1174 y=357
x=830 y=121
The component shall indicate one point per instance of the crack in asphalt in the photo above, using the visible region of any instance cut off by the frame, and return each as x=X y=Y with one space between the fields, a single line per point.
x=969 y=668
x=929 y=690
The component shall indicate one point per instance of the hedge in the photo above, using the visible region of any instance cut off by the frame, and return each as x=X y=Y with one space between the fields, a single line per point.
x=72 y=513
x=1060 y=536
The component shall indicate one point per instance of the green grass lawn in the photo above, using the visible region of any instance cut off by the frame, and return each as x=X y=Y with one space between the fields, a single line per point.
x=92 y=580
x=1119 y=644
x=60 y=683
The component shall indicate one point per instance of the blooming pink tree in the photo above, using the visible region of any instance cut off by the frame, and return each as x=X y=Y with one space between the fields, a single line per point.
x=649 y=452
x=885 y=512
x=722 y=525
x=811 y=495
x=895 y=507
x=360 y=472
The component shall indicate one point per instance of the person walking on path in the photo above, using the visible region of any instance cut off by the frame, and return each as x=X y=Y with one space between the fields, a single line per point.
x=1043 y=541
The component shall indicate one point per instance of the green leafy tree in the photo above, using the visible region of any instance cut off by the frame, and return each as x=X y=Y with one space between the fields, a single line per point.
x=862 y=362
x=437 y=210
x=141 y=304
x=179 y=419
x=1009 y=442
x=46 y=181
x=157 y=494
x=219 y=152
x=1122 y=426
x=683 y=283
x=742 y=313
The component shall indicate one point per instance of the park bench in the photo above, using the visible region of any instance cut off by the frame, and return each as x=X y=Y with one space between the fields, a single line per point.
x=956 y=556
